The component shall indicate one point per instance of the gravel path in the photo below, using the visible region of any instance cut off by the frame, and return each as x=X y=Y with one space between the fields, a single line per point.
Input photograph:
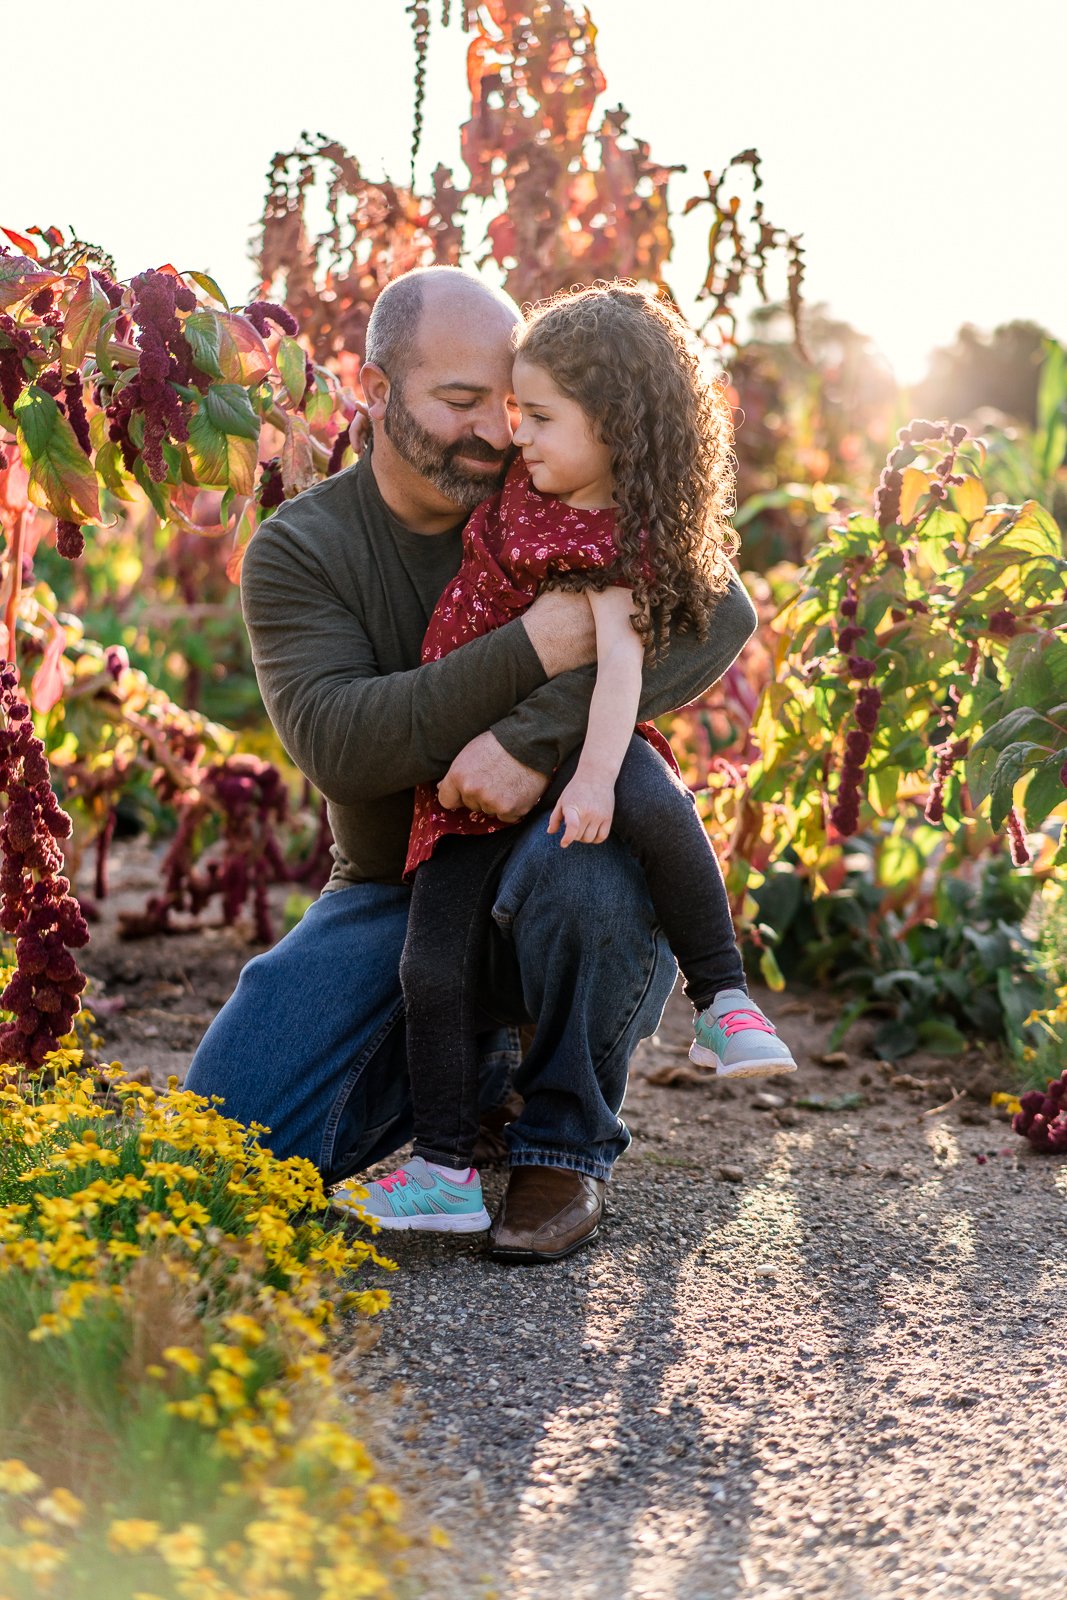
x=811 y=1355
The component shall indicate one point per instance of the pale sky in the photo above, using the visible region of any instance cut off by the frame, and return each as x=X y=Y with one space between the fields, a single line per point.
x=920 y=149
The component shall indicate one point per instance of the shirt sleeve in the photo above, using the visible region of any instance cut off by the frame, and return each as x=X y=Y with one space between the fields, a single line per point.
x=550 y=723
x=355 y=732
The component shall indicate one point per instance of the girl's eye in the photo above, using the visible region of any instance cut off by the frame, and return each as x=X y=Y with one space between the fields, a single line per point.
x=535 y=417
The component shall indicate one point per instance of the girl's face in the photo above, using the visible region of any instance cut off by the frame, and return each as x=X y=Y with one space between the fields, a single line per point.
x=561 y=451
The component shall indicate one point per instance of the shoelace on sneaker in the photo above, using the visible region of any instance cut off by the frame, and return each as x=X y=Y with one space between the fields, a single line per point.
x=395 y=1180
x=732 y=1022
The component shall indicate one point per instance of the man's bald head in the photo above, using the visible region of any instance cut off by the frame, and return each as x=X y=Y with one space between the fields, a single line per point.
x=445 y=297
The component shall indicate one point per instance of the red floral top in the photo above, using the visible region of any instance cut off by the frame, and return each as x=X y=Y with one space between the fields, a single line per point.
x=512 y=543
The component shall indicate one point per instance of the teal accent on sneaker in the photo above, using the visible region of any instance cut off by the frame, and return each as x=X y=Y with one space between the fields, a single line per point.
x=416 y=1197
x=735 y=1038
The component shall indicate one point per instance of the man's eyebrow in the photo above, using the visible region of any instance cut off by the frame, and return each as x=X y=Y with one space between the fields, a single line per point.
x=458 y=383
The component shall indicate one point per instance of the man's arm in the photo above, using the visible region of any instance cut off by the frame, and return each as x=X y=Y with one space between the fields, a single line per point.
x=544 y=728
x=359 y=734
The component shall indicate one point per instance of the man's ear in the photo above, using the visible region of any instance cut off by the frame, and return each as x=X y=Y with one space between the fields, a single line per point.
x=375 y=386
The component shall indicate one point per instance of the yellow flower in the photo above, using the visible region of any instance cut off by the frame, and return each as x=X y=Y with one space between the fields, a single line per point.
x=200 y=1409
x=122 y=1249
x=63 y=1507
x=184 y=1548
x=369 y=1301
x=37 y=1558
x=190 y=1210
x=183 y=1357
x=246 y=1329
x=234 y=1360
x=228 y=1390
x=133 y=1534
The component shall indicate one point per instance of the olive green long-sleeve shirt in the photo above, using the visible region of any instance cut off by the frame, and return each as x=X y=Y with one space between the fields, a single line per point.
x=337 y=595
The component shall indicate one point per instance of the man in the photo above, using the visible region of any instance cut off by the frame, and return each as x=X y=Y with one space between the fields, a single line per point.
x=337 y=589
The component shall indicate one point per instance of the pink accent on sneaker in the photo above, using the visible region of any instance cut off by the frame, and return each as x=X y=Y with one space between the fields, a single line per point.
x=732 y=1022
x=396 y=1180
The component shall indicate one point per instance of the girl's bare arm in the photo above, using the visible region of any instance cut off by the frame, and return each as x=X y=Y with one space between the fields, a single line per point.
x=587 y=804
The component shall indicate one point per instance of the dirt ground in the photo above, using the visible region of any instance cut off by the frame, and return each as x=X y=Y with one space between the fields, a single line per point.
x=811 y=1357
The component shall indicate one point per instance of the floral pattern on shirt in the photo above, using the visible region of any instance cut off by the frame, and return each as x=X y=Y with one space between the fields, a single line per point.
x=513 y=543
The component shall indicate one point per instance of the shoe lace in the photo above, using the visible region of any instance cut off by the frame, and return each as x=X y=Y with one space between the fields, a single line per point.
x=732 y=1022
x=395 y=1180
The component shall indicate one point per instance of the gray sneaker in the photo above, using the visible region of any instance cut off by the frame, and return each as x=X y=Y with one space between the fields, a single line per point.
x=735 y=1038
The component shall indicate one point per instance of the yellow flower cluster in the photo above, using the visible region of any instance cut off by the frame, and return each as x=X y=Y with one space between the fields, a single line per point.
x=152 y=1214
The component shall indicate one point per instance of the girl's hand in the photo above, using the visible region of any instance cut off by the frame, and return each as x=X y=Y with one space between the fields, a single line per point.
x=584 y=810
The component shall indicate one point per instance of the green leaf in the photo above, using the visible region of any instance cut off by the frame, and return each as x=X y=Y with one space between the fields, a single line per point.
x=62 y=479
x=770 y=971
x=210 y=287
x=836 y=1102
x=1045 y=791
x=319 y=407
x=153 y=490
x=896 y=1039
x=1051 y=440
x=222 y=459
x=231 y=411
x=201 y=328
x=941 y=1038
x=292 y=364
x=1010 y=766
x=103 y=339
x=1015 y=725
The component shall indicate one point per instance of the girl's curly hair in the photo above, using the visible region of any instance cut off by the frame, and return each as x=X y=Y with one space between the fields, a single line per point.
x=633 y=365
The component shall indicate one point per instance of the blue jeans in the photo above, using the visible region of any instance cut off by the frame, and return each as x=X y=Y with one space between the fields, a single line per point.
x=312 y=1041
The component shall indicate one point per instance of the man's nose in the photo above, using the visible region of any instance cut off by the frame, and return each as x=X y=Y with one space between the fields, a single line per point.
x=494 y=427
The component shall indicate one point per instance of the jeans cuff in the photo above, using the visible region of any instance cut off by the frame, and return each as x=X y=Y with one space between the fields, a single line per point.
x=524 y=1156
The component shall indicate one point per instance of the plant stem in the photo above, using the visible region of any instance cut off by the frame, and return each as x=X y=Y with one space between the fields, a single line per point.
x=15 y=591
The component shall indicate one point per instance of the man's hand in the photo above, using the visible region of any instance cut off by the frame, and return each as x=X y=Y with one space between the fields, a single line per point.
x=560 y=626
x=483 y=777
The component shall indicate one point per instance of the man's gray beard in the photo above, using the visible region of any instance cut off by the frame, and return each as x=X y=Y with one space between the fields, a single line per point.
x=435 y=461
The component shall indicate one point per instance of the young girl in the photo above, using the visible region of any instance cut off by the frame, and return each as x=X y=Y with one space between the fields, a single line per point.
x=623 y=491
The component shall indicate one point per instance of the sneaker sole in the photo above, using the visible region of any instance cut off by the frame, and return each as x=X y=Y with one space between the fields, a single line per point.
x=739 y=1069
x=472 y=1222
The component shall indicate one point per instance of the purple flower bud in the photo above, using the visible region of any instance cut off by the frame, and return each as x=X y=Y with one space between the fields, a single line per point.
x=263 y=312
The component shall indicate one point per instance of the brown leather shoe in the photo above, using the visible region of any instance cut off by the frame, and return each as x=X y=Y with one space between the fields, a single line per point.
x=546 y=1213
x=490 y=1147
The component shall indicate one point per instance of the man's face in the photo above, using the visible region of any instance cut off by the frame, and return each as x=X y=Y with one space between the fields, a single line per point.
x=459 y=464
x=451 y=415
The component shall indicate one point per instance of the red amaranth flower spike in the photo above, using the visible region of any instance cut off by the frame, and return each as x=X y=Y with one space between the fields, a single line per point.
x=261 y=313
x=35 y=900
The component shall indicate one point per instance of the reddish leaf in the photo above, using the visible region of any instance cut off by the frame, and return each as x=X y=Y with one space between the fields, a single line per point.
x=81 y=325
x=298 y=460
x=24 y=244
x=243 y=357
x=246 y=527
x=20 y=277
x=47 y=686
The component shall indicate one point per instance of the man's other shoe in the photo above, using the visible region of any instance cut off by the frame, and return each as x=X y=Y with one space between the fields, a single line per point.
x=546 y=1213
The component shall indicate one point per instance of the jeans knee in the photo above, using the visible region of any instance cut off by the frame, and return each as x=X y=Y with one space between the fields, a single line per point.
x=586 y=889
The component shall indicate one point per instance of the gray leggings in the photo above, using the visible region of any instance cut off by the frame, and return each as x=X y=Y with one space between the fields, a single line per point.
x=443 y=958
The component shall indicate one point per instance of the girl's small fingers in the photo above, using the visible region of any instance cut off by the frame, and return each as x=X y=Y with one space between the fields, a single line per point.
x=556 y=818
